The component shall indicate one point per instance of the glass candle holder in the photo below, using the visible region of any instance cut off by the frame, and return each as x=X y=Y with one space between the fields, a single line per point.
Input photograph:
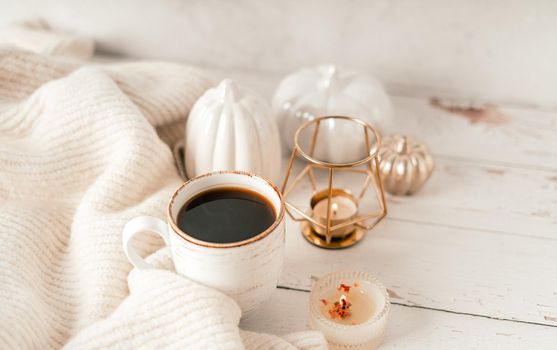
x=351 y=309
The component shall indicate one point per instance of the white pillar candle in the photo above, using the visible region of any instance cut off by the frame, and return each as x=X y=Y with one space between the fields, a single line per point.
x=350 y=308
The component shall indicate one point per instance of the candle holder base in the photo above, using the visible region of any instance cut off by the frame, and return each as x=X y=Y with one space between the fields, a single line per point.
x=336 y=243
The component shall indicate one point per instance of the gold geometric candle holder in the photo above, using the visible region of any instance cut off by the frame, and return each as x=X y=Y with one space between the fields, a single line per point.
x=335 y=217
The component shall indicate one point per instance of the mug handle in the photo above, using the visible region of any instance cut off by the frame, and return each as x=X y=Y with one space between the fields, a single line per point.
x=138 y=225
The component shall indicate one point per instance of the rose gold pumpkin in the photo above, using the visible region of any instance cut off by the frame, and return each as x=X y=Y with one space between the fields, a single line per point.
x=404 y=164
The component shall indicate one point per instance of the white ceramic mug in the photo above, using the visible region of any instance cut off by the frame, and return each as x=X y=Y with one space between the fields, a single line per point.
x=248 y=270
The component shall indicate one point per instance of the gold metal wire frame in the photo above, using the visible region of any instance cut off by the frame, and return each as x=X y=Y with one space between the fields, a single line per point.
x=369 y=166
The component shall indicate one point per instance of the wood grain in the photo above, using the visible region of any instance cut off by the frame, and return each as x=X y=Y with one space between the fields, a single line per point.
x=471 y=259
x=497 y=275
x=527 y=138
x=412 y=328
x=469 y=195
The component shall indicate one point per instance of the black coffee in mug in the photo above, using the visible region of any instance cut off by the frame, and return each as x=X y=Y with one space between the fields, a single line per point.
x=226 y=215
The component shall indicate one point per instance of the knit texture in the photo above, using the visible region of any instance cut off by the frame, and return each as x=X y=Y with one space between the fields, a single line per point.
x=83 y=149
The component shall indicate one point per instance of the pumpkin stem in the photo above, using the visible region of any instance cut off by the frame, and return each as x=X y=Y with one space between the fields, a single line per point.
x=331 y=80
x=402 y=146
x=228 y=91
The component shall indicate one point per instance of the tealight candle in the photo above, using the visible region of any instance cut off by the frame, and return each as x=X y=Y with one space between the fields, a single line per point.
x=344 y=207
x=350 y=308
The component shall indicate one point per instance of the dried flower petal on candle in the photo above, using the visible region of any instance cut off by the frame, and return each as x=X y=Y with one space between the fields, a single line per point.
x=343 y=287
x=324 y=301
x=357 y=319
x=340 y=309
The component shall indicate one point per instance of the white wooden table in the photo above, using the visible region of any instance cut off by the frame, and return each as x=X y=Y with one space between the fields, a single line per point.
x=471 y=260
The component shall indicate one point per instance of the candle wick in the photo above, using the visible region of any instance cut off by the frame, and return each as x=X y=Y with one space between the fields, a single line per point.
x=334 y=206
x=341 y=308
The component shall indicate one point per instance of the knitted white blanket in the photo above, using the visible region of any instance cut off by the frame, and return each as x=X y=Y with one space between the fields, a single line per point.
x=83 y=149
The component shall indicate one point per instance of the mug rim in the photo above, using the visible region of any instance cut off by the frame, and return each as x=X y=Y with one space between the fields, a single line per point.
x=250 y=240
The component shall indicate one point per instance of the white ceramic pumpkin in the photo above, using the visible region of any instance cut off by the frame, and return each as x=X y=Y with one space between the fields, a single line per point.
x=231 y=127
x=327 y=90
